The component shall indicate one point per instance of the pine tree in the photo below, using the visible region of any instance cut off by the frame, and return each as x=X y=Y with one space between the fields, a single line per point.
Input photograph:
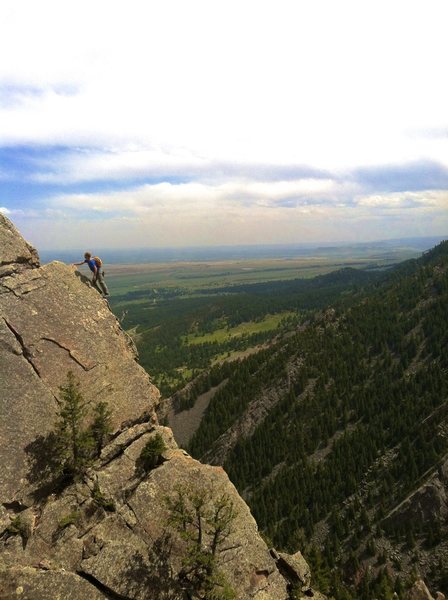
x=205 y=526
x=101 y=426
x=73 y=443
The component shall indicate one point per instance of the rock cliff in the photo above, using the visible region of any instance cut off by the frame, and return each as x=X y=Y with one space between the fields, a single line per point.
x=109 y=534
x=52 y=322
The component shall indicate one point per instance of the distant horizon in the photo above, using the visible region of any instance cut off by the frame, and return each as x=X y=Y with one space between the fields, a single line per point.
x=310 y=244
x=237 y=251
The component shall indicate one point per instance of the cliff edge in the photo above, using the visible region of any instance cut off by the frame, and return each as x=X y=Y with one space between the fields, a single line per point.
x=110 y=533
x=52 y=322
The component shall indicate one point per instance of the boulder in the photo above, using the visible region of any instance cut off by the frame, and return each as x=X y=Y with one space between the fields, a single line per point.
x=296 y=569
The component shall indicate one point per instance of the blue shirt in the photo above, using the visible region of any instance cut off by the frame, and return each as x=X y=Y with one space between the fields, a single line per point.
x=92 y=265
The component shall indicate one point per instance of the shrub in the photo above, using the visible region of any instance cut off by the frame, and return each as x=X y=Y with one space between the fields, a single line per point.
x=16 y=527
x=205 y=523
x=76 y=445
x=101 y=500
x=73 y=444
x=150 y=455
x=101 y=426
x=72 y=518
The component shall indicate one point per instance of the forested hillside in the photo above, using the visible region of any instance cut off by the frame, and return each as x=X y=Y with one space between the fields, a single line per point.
x=181 y=332
x=337 y=434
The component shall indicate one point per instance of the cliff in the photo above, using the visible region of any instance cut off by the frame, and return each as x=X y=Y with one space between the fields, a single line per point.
x=52 y=322
x=108 y=534
x=342 y=443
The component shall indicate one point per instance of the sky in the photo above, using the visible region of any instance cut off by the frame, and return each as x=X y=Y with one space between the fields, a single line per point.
x=151 y=123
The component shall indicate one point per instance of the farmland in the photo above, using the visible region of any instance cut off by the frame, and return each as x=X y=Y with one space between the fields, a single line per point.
x=124 y=279
x=186 y=315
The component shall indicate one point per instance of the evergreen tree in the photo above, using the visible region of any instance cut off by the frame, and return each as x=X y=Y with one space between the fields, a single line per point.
x=205 y=525
x=73 y=443
x=101 y=426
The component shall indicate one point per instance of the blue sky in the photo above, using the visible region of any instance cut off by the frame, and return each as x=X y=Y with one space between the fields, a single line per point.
x=209 y=122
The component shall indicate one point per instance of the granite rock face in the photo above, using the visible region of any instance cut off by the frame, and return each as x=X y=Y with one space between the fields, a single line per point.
x=110 y=531
x=295 y=568
x=52 y=322
x=107 y=535
x=15 y=254
x=36 y=583
x=428 y=504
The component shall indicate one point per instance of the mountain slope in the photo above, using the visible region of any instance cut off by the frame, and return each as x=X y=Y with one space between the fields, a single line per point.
x=114 y=528
x=358 y=429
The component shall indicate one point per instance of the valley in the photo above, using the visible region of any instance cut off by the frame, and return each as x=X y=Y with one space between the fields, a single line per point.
x=186 y=316
x=324 y=398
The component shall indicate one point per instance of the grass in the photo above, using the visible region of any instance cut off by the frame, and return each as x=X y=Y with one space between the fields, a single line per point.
x=192 y=276
x=269 y=323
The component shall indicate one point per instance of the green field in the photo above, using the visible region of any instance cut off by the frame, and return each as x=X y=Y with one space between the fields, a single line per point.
x=193 y=276
x=268 y=323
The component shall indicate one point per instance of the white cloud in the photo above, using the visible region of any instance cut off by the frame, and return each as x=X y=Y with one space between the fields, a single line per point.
x=194 y=197
x=321 y=83
x=34 y=213
x=203 y=92
x=119 y=164
x=196 y=214
x=427 y=200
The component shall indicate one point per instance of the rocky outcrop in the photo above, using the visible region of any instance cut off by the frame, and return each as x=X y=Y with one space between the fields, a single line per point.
x=16 y=254
x=256 y=412
x=52 y=322
x=110 y=534
x=294 y=568
x=419 y=591
x=428 y=504
x=37 y=583
x=110 y=531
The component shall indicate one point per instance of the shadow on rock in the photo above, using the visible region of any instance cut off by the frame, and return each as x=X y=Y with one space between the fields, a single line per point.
x=84 y=279
x=156 y=573
x=44 y=472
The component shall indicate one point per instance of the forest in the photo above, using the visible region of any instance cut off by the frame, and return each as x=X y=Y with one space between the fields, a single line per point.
x=357 y=367
x=168 y=322
x=358 y=428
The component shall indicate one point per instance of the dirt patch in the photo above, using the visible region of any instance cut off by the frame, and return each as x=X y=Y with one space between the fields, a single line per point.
x=185 y=423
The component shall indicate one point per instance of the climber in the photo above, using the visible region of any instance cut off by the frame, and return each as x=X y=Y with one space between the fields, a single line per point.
x=95 y=264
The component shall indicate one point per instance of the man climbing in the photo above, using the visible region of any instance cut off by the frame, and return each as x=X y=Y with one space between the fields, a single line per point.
x=95 y=265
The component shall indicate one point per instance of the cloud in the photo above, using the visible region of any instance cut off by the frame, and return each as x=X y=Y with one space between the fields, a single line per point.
x=198 y=196
x=195 y=213
x=427 y=201
x=33 y=213
x=290 y=87
x=94 y=164
x=220 y=120
x=414 y=176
